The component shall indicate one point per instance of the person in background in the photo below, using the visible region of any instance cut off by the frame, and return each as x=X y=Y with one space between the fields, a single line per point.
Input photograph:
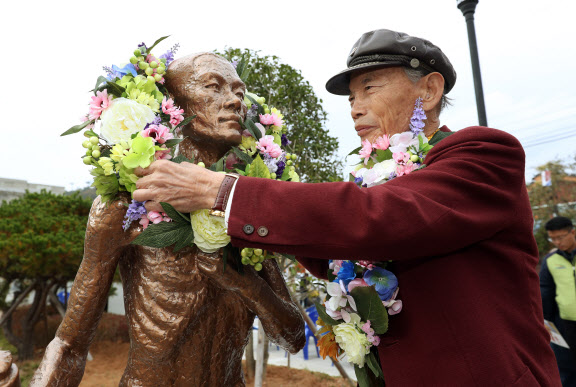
x=558 y=289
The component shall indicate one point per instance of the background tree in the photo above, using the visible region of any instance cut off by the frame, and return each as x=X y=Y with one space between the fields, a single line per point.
x=286 y=89
x=558 y=199
x=41 y=246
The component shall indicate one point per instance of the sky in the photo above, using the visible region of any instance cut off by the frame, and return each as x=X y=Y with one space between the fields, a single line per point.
x=55 y=52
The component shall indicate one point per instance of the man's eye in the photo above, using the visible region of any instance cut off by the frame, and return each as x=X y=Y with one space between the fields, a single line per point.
x=368 y=87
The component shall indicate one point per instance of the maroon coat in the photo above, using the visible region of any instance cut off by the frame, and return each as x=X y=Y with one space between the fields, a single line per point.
x=460 y=235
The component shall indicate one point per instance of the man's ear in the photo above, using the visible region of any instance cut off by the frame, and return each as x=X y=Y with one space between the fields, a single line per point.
x=433 y=90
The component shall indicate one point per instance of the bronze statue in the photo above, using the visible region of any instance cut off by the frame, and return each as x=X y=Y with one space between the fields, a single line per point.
x=189 y=319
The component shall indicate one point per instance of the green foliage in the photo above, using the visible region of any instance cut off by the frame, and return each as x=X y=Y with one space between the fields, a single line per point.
x=555 y=200
x=286 y=89
x=370 y=308
x=42 y=236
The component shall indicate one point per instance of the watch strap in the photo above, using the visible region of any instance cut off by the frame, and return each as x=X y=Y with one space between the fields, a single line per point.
x=219 y=207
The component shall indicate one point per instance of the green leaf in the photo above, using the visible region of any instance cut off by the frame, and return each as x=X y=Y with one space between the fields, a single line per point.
x=374 y=366
x=324 y=316
x=362 y=376
x=99 y=82
x=259 y=169
x=382 y=155
x=242 y=156
x=351 y=177
x=180 y=159
x=77 y=128
x=115 y=89
x=185 y=122
x=173 y=141
x=252 y=100
x=173 y=213
x=164 y=234
x=156 y=43
x=218 y=165
x=355 y=151
x=370 y=308
x=253 y=129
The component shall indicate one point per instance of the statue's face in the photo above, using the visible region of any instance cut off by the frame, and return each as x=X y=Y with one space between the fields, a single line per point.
x=215 y=94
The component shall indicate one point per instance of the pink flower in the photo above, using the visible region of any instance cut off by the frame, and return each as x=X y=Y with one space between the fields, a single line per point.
x=394 y=306
x=175 y=112
x=159 y=133
x=355 y=283
x=157 y=217
x=405 y=169
x=98 y=104
x=271 y=119
x=366 y=151
x=376 y=340
x=144 y=221
x=232 y=159
x=163 y=154
x=84 y=119
x=335 y=265
x=367 y=264
x=382 y=142
x=401 y=157
x=368 y=329
x=267 y=146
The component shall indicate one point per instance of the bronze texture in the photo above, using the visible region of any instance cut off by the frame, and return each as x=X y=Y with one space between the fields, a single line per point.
x=189 y=319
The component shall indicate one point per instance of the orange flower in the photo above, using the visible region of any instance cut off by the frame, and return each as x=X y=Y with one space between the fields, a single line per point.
x=327 y=343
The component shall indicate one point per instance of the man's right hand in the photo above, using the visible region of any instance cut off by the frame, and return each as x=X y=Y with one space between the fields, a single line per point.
x=187 y=187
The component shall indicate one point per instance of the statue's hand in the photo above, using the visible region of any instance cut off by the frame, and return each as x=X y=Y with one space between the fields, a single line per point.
x=212 y=266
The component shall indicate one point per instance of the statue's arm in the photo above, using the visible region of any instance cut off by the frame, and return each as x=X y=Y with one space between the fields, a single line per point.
x=65 y=357
x=266 y=295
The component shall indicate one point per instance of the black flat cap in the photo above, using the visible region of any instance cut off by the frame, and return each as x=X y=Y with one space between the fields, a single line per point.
x=385 y=48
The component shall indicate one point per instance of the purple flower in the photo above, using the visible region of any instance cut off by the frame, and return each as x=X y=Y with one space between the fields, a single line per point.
x=284 y=140
x=418 y=117
x=281 y=166
x=169 y=55
x=346 y=273
x=235 y=63
x=135 y=211
x=358 y=180
x=253 y=112
x=383 y=280
x=270 y=163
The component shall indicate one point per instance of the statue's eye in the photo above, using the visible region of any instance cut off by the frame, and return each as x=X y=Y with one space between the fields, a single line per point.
x=214 y=86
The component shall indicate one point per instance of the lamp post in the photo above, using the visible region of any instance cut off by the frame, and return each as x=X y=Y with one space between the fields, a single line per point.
x=468 y=7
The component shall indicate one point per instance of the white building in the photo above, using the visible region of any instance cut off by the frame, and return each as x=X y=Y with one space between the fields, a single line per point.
x=12 y=188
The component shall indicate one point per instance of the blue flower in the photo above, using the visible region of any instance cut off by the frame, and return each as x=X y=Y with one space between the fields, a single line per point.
x=383 y=280
x=346 y=273
x=118 y=72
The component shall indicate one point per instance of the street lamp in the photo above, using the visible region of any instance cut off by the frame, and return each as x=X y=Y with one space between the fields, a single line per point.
x=468 y=7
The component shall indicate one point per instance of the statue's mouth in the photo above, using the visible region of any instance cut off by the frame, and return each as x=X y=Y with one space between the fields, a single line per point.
x=232 y=117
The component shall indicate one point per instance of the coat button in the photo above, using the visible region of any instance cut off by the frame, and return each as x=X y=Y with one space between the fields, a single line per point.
x=248 y=229
x=262 y=231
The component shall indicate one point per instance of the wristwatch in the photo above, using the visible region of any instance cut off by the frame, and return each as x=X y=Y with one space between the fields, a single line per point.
x=219 y=207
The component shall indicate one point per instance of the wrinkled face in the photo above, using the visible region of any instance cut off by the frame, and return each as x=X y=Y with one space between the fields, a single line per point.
x=215 y=94
x=382 y=101
x=564 y=240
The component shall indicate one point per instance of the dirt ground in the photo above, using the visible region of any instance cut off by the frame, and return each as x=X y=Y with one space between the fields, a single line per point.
x=110 y=360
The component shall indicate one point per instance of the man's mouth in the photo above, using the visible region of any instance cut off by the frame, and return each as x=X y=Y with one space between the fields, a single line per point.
x=362 y=130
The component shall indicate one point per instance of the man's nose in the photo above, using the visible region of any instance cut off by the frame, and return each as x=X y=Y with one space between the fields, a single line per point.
x=358 y=108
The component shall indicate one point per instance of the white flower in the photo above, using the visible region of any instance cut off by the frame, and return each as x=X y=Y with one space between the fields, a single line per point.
x=209 y=231
x=379 y=173
x=354 y=343
x=400 y=142
x=123 y=118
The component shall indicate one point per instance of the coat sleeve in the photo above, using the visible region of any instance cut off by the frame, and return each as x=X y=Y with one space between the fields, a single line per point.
x=466 y=194
x=548 y=292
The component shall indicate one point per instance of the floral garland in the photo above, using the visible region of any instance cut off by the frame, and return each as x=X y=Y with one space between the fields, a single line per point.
x=132 y=121
x=362 y=294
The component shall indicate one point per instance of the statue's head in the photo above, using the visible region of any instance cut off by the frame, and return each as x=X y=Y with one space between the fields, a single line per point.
x=206 y=85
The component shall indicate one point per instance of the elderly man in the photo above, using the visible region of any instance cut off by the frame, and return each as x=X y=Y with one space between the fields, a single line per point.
x=189 y=319
x=459 y=232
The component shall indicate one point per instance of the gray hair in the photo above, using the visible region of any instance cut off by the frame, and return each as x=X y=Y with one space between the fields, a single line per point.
x=415 y=75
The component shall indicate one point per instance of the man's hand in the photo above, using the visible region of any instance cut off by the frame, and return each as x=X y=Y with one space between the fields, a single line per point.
x=187 y=187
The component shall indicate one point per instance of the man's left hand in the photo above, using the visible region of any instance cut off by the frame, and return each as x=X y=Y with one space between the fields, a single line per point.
x=187 y=187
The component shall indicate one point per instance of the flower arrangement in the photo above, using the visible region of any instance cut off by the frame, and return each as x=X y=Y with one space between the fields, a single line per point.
x=132 y=121
x=390 y=157
x=362 y=294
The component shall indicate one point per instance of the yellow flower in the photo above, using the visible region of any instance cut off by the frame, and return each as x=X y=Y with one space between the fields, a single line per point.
x=209 y=231
x=327 y=343
x=248 y=145
x=119 y=151
x=107 y=164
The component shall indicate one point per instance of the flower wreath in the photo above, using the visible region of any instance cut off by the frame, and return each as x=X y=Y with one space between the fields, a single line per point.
x=362 y=294
x=132 y=121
